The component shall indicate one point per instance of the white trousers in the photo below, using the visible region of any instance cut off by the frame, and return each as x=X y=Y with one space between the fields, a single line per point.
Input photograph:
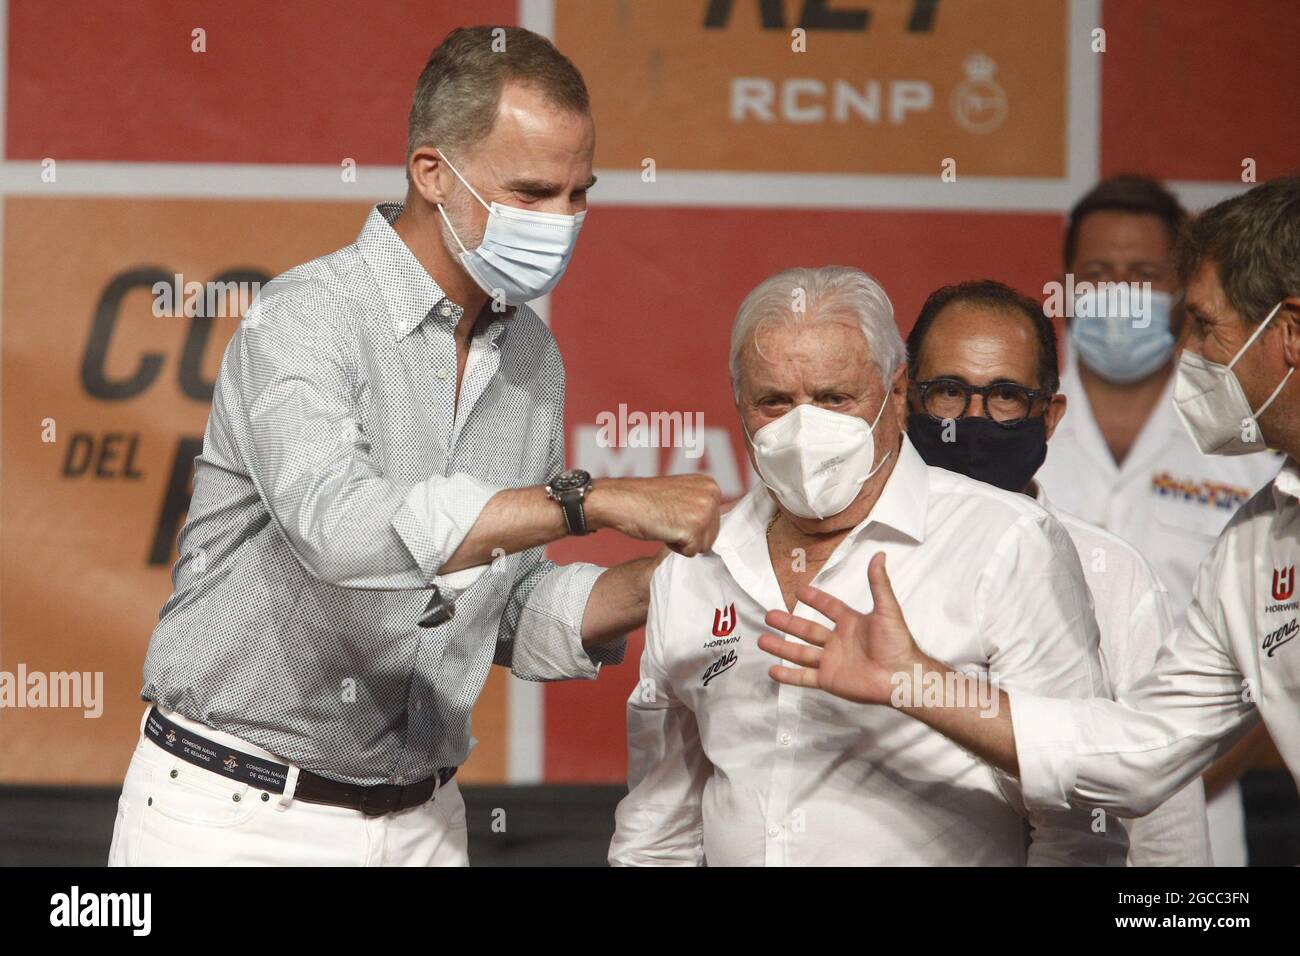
x=174 y=813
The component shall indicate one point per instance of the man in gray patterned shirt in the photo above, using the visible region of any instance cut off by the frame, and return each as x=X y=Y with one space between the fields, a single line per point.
x=388 y=424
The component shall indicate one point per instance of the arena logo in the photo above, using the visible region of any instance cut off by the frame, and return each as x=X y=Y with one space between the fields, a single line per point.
x=72 y=690
x=1284 y=634
x=75 y=909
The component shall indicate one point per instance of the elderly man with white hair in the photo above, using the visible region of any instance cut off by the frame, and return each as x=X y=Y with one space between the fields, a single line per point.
x=727 y=767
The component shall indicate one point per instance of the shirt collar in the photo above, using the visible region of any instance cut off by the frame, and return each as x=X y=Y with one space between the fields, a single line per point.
x=1287 y=484
x=410 y=293
x=904 y=501
x=1040 y=497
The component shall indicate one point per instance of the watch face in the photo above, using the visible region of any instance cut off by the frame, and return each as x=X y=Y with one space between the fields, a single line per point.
x=570 y=480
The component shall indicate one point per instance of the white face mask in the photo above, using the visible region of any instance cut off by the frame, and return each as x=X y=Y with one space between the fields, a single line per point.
x=523 y=253
x=1212 y=406
x=815 y=460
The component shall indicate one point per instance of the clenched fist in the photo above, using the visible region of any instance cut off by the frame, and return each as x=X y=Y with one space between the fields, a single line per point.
x=682 y=511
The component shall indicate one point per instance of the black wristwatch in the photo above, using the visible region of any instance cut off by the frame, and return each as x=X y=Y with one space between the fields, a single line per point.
x=569 y=488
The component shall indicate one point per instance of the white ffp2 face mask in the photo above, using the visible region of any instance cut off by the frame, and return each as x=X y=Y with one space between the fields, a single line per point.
x=1212 y=406
x=815 y=460
x=523 y=253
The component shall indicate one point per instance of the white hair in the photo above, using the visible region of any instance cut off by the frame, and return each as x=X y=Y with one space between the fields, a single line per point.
x=839 y=293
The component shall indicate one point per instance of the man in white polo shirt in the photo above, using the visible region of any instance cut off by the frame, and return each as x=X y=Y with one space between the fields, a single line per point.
x=1121 y=459
x=726 y=767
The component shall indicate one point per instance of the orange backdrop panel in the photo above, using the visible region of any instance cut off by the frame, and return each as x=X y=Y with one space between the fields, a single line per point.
x=77 y=589
x=665 y=85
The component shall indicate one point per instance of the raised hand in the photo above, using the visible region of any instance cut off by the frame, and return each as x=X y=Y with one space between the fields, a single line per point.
x=858 y=658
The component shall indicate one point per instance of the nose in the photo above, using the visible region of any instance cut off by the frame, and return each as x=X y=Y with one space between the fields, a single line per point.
x=976 y=408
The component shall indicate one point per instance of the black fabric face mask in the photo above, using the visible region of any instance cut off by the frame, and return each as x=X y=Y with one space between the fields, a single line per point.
x=999 y=455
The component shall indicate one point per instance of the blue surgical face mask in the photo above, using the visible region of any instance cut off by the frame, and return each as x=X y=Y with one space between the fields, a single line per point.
x=1124 y=348
x=523 y=253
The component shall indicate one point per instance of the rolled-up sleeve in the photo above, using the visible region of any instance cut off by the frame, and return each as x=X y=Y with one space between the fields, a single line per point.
x=301 y=441
x=434 y=519
x=540 y=637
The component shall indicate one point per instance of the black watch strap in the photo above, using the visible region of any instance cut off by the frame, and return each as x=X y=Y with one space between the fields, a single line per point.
x=575 y=516
x=568 y=489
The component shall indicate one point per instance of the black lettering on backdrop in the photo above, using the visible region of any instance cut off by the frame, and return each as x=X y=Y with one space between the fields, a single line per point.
x=176 y=500
x=818 y=15
x=93 y=377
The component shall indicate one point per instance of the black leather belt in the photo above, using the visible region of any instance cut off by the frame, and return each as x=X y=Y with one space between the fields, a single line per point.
x=272 y=776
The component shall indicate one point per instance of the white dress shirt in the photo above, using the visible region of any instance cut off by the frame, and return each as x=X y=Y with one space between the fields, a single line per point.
x=340 y=470
x=1169 y=501
x=1132 y=610
x=730 y=768
x=1235 y=660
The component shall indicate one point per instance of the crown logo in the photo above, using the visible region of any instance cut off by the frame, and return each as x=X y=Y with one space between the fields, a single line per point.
x=978 y=66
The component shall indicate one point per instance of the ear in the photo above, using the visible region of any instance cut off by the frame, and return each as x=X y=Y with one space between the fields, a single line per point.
x=430 y=176
x=1288 y=316
x=1177 y=320
x=1054 y=412
x=898 y=395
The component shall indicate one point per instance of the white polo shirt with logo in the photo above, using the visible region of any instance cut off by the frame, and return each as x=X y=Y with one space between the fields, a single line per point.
x=728 y=766
x=1170 y=502
x=1236 y=660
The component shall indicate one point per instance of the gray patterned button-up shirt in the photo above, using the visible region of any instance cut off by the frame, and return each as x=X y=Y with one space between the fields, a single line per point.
x=337 y=475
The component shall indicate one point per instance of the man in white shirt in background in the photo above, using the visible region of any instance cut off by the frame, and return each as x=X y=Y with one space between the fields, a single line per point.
x=1121 y=459
x=983 y=372
x=1236 y=661
x=728 y=768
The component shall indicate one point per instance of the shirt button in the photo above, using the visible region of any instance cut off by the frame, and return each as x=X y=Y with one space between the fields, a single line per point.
x=440 y=372
x=445 y=309
x=774 y=831
x=785 y=740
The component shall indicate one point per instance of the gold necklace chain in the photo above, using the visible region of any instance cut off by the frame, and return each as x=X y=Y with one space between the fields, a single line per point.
x=772 y=524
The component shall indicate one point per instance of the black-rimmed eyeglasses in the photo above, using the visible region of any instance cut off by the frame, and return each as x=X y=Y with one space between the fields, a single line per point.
x=1007 y=403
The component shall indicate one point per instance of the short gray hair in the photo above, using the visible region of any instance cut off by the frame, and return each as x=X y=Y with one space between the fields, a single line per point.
x=831 y=292
x=456 y=97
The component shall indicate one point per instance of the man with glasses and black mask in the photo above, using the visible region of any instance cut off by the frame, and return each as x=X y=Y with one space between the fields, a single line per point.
x=983 y=372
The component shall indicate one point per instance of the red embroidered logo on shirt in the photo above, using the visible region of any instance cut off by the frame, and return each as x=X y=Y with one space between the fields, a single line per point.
x=724 y=620
x=1283 y=583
